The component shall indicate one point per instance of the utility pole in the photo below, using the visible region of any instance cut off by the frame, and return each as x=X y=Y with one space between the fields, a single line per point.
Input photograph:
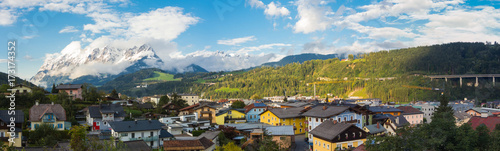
x=314 y=89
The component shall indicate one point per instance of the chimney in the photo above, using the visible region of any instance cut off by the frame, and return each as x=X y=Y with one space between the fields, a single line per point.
x=397 y=120
x=52 y=103
x=324 y=107
x=378 y=125
x=36 y=102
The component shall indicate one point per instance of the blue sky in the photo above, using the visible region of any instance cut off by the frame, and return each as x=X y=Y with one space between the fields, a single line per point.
x=180 y=28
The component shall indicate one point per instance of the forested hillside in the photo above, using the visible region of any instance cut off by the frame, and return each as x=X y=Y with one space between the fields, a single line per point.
x=404 y=64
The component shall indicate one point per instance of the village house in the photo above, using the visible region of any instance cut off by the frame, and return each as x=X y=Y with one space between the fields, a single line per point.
x=282 y=135
x=201 y=144
x=392 y=123
x=73 y=90
x=52 y=114
x=189 y=98
x=461 y=118
x=337 y=114
x=171 y=109
x=253 y=110
x=22 y=89
x=412 y=115
x=147 y=130
x=375 y=129
x=230 y=115
x=206 y=112
x=6 y=133
x=331 y=136
x=99 y=116
x=285 y=116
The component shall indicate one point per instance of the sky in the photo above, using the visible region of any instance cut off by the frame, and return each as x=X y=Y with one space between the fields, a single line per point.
x=180 y=28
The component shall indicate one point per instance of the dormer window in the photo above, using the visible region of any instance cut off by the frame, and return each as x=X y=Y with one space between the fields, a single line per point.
x=346 y=136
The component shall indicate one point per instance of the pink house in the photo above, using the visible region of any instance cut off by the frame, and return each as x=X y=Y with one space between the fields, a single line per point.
x=73 y=90
x=412 y=115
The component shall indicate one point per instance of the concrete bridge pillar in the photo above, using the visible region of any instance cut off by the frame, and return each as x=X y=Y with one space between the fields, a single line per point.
x=445 y=79
x=460 y=81
x=477 y=83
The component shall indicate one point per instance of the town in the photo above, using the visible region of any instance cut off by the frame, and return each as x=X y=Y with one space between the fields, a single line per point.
x=179 y=121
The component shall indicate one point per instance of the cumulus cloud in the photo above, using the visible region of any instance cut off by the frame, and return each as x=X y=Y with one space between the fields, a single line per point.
x=68 y=29
x=7 y=17
x=236 y=41
x=256 y=4
x=246 y=50
x=313 y=16
x=275 y=10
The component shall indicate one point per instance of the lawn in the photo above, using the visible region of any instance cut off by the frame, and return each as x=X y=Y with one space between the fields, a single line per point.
x=361 y=93
x=160 y=76
x=227 y=90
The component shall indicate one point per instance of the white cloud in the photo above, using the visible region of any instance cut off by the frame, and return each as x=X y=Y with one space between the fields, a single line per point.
x=236 y=41
x=246 y=50
x=29 y=37
x=256 y=4
x=7 y=17
x=68 y=29
x=275 y=10
x=313 y=16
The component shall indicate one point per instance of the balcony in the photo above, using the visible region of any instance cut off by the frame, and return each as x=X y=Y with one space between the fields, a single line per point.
x=146 y=139
x=49 y=120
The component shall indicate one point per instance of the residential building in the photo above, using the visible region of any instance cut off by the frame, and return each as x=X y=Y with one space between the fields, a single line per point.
x=385 y=110
x=6 y=124
x=188 y=110
x=207 y=112
x=428 y=110
x=165 y=136
x=211 y=135
x=282 y=135
x=375 y=129
x=52 y=114
x=147 y=130
x=171 y=109
x=330 y=136
x=489 y=121
x=99 y=116
x=189 y=98
x=253 y=110
x=285 y=116
x=184 y=123
x=175 y=129
x=461 y=118
x=338 y=114
x=22 y=89
x=202 y=144
x=412 y=115
x=392 y=123
x=73 y=90
x=230 y=115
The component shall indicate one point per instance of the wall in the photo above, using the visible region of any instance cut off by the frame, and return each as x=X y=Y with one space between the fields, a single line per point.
x=329 y=146
x=137 y=135
x=254 y=112
x=269 y=118
x=415 y=119
x=51 y=123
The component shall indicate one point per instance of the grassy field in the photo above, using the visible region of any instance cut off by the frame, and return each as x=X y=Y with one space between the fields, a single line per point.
x=228 y=90
x=160 y=76
x=360 y=93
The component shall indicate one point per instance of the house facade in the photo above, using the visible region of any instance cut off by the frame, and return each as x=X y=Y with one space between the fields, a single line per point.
x=52 y=114
x=412 y=115
x=147 y=130
x=230 y=116
x=338 y=114
x=73 y=90
x=253 y=111
x=206 y=112
x=22 y=89
x=5 y=127
x=283 y=135
x=330 y=136
x=98 y=117
x=285 y=116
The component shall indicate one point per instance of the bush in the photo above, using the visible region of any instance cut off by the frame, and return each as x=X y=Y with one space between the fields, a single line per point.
x=198 y=132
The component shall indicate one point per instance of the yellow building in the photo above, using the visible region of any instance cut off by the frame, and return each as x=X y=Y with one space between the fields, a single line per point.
x=231 y=116
x=206 y=112
x=6 y=124
x=285 y=116
x=22 y=89
x=329 y=136
x=51 y=114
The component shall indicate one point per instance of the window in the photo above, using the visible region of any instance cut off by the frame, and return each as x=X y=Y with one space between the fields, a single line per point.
x=327 y=146
x=352 y=118
x=321 y=120
x=133 y=135
x=284 y=120
x=59 y=126
x=293 y=119
x=268 y=120
x=293 y=124
x=310 y=128
x=316 y=119
x=282 y=138
x=324 y=145
x=339 y=119
x=123 y=134
x=339 y=146
x=229 y=112
x=151 y=134
x=310 y=119
x=268 y=114
x=36 y=125
x=70 y=92
x=2 y=134
x=345 y=119
x=1 y=123
x=152 y=143
x=300 y=130
x=97 y=123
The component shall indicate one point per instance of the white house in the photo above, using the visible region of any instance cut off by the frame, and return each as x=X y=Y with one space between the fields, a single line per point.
x=99 y=116
x=147 y=130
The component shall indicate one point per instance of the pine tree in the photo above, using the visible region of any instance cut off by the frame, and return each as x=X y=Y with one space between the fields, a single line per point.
x=114 y=94
x=54 y=90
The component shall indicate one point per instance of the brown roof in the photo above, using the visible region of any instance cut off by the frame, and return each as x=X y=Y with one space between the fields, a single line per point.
x=409 y=110
x=198 y=144
x=251 y=106
x=37 y=111
x=329 y=130
x=490 y=122
x=190 y=107
x=360 y=148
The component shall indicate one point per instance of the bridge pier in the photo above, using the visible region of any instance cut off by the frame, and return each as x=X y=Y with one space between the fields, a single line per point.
x=460 y=81
x=445 y=79
x=477 y=83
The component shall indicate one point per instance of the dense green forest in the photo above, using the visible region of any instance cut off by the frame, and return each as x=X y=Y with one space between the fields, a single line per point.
x=409 y=67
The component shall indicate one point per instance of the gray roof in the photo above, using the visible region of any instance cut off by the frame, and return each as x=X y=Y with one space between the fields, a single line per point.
x=209 y=135
x=5 y=117
x=138 y=145
x=461 y=115
x=68 y=86
x=328 y=130
x=328 y=112
x=286 y=112
x=280 y=130
x=129 y=126
x=164 y=134
x=96 y=111
x=248 y=126
x=373 y=128
x=222 y=111
x=37 y=111
x=402 y=120
x=383 y=109
x=295 y=104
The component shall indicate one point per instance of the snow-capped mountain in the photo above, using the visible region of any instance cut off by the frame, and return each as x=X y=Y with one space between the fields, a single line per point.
x=76 y=64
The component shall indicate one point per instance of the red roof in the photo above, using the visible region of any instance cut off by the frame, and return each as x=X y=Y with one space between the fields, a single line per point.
x=190 y=107
x=360 y=148
x=490 y=121
x=251 y=106
x=409 y=110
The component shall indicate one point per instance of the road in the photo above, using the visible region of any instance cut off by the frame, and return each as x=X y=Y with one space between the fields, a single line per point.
x=300 y=143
